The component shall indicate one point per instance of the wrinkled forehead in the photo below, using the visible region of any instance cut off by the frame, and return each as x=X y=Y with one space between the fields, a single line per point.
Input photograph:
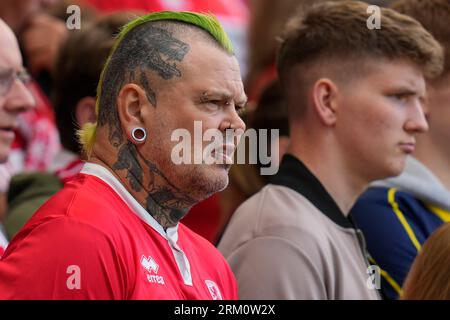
x=208 y=65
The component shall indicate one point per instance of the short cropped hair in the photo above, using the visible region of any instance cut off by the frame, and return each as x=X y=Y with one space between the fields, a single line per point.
x=335 y=34
x=434 y=15
x=134 y=50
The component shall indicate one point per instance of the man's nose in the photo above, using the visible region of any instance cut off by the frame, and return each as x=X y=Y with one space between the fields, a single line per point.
x=236 y=121
x=417 y=122
x=20 y=98
x=232 y=121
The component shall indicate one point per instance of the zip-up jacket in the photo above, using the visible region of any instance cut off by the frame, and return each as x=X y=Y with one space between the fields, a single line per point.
x=396 y=216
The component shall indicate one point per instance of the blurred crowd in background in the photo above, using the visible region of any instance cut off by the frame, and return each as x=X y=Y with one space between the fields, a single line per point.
x=64 y=66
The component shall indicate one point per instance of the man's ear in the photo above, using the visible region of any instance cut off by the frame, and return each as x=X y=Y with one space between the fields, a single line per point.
x=325 y=97
x=132 y=105
x=85 y=111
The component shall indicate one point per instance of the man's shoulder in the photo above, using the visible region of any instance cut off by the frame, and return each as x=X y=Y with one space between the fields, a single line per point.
x=385 y=194
x=277 y=207
x=85 y=197
x=27 y=193
x=390 y=217
x=28 y=184
x=60 y=232
x=276 y=212
x=85 y=200
x=47 y=252
x=384 y=200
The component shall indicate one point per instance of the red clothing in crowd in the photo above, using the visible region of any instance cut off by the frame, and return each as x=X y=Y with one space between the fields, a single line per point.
x=235 y=9
x=37 y=138
x=93 y=240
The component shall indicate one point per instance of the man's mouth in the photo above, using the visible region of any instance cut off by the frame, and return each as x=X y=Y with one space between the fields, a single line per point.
x=224 y=154
x=7 y=132
x=408 y=147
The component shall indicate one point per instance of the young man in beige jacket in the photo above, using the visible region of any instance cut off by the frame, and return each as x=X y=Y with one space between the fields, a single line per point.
x=355 y=95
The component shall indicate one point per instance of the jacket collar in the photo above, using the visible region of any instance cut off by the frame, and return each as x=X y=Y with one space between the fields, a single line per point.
x=295 y=175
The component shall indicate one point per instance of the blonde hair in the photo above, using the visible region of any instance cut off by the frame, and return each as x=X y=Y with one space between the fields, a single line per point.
x=429 y=277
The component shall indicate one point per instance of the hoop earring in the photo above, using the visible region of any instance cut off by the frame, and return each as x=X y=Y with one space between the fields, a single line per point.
x=140 y=131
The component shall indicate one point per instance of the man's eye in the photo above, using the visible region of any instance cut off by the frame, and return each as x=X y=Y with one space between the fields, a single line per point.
x=6 y=76
x=212 y=104
x=24 y=76
x=400 y=97
x=240 y=110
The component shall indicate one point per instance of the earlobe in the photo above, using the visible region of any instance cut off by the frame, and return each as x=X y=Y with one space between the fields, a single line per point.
x=325 y=94
x=139 y=134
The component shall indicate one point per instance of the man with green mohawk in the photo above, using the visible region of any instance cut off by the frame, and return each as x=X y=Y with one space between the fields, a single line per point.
x=113 y=232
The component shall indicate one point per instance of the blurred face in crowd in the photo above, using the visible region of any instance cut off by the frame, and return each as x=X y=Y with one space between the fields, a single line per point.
x=16 y=13
x=438 y=106
x=382 y=111
x=14 y=96
x=210 y=91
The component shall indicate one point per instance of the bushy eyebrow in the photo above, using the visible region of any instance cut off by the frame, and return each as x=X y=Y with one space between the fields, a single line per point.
x=205 y=95
x=5 y=71
x=243 y=101
x=407 y=91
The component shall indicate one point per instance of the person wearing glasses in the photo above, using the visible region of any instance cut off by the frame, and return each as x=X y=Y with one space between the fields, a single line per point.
x=15 y=98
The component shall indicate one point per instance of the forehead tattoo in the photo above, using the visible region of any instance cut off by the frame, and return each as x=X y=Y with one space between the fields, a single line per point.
x=146 y=48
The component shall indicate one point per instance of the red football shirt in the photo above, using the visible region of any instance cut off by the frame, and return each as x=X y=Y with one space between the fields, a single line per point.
x=93 y=240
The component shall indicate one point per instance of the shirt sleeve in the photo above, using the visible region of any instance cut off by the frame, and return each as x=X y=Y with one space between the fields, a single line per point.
x=274 y=268
x=62 y=259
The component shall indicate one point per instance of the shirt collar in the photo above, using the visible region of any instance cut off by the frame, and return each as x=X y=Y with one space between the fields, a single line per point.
x=170 y=234
x=106 y=176
x=295 y=175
